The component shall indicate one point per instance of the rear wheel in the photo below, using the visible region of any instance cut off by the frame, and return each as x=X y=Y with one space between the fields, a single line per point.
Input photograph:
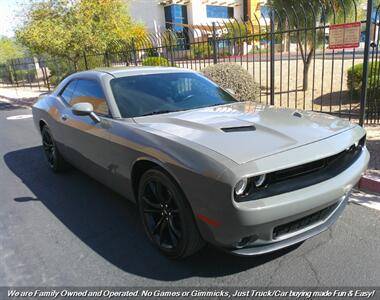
x=167 y=217
x=55 y=160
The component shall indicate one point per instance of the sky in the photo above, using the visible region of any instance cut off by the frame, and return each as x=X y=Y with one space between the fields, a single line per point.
x=9 y=17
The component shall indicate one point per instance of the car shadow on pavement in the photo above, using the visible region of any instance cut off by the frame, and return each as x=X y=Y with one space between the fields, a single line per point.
x=9 y=106
x=110 y=226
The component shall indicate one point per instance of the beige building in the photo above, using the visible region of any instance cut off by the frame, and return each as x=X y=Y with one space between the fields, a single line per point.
x=157 y=15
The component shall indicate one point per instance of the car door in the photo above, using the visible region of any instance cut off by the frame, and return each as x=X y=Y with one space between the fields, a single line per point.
x=56 y=112
x=86 y=140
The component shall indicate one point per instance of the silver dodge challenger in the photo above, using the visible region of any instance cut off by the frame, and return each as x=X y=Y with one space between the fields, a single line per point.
x=201 y=166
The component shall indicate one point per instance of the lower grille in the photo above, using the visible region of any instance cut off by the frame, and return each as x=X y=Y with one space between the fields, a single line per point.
x=304 y=222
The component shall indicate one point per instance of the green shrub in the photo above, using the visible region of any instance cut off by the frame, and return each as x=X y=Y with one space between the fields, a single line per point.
x=59 y=69
x=152 y=52
x=156 y=61
x=27 y=75
x=6 y=75
x=62 y=67
x=201 y=50
x=355 y=76
x=233 y=76
x=9 y=75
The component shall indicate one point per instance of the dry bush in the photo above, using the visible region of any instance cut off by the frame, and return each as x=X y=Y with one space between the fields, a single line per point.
x=233 y=76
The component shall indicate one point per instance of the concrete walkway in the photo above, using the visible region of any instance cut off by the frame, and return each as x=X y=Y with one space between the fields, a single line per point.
x=20 y=96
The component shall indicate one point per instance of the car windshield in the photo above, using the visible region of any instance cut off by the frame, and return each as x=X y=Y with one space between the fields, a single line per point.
x=144 y=95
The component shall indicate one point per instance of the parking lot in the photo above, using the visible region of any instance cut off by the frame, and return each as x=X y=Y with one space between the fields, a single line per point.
x=68 y=230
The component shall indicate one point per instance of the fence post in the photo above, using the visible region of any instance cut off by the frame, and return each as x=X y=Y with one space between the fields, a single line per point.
x=14 y=72
x=126 y=54
x=214 y=48
x=171 y=49
x=9 y=69
x=134 y=54
x=85 y=60
x=107 y=59
x=47 y=78
x=272 y=57
x=364 y=92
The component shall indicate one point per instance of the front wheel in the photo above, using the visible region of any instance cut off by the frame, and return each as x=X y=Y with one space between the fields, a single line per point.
x=167 y=217
x=55 y=160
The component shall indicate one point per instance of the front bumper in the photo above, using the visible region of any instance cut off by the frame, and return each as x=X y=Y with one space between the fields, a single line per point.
x=257 y=220
x=296 y=237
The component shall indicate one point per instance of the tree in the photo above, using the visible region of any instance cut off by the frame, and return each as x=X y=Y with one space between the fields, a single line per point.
x=243 y=32
x=66 y=28
x=9 y=49
x=301 y=14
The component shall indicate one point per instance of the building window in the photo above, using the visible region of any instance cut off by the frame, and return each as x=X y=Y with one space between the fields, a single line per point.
x=175 y=16
x=265 y=12
x=221 y=12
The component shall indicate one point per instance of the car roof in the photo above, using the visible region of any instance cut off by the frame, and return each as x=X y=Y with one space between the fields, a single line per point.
x=131 y=71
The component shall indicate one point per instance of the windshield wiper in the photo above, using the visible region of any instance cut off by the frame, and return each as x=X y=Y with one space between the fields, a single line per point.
x=158 y=112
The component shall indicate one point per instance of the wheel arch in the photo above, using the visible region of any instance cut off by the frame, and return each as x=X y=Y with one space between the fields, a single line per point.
x=141 y=165
x=42 y=123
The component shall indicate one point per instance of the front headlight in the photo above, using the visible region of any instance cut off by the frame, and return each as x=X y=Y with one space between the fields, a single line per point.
x=259 y=180
x=241 y=186
x=248 y=186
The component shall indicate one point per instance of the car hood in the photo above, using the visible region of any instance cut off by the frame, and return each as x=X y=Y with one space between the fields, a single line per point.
x=247 y=131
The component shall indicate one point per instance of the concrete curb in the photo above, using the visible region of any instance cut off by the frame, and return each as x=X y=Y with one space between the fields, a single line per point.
x=370 y=183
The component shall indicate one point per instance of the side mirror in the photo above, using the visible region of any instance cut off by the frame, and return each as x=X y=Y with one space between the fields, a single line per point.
x=85 y=109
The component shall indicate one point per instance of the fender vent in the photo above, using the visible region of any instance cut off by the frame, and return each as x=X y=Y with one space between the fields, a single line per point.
x=239 y=129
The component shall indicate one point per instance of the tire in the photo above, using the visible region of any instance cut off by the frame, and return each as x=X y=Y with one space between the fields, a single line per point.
x=166 y=216
x=55 y=160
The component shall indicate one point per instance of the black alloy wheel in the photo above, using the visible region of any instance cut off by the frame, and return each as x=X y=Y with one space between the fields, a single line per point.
x=167 y=217
x=54 y=158
x=161 y=215
x=49 y=147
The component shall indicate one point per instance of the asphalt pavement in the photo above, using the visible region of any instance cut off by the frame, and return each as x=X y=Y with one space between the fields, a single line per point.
x=69 y=230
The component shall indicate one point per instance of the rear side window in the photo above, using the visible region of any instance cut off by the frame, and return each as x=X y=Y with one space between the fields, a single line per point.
x=91 y=92
x=69 y=90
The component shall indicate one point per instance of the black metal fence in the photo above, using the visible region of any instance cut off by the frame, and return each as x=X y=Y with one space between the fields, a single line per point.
x=371 y=75
x=287 y=52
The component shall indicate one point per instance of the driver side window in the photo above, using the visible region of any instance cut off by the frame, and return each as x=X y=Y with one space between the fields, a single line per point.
x=83 y=90
x=91 y=92
x=68 y=91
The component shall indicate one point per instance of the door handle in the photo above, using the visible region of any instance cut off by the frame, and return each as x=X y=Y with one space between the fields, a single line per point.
x=64 y=117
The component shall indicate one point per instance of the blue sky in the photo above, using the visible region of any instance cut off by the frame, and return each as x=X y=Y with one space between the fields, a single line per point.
x=9 y=18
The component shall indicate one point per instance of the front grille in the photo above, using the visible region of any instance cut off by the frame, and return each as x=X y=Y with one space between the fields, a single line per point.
x=343 y=157
x=294 y=178
x=304 y=222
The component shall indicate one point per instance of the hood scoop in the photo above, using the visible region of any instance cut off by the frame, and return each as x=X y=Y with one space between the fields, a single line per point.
x=239 y=129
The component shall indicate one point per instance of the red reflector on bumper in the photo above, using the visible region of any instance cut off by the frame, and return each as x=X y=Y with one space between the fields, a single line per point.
x=209 y=221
